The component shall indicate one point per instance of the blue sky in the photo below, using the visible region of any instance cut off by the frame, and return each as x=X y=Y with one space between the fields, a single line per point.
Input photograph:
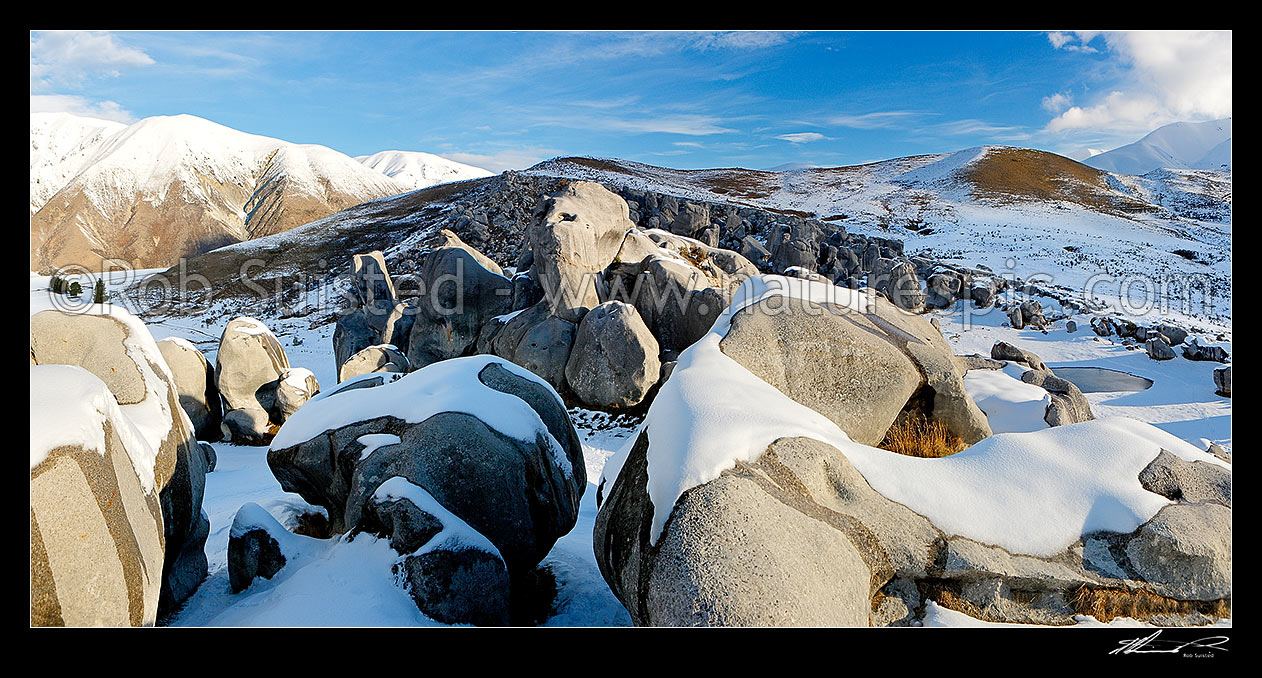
x=680 y=99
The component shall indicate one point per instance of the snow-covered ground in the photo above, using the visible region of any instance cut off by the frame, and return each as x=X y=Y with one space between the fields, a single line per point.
x=328 y=583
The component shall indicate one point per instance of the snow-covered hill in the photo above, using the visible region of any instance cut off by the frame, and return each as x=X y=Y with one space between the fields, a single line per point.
x=1019 y=211
x=415 y=169
x=1180 y=145
x=170 y=186
x=60 y=142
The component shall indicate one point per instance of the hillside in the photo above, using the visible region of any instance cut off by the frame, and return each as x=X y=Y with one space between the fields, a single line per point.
x=167 y=187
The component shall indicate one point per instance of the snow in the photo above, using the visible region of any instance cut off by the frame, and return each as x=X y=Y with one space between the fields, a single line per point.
x=372 y=441
x=60 y=143
x=445 y=386
x=415 y=169
x=152 y=417
x=1010 y=405
x=70 y=406
x=456 y=533
x=937 y=616
x=1030 y=493
x=1179 y=145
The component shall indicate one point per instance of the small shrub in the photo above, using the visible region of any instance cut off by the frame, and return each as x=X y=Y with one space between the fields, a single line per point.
x=75 y=289
x=917 y=436
x=1108 y=604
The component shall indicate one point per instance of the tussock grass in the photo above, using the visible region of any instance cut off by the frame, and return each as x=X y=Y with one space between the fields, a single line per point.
x=917 y=436
x=1108 y=604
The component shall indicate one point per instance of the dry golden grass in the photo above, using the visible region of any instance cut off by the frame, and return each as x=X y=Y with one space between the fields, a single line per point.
x=1107 y=604
x=916 y=436
x=1025 y=174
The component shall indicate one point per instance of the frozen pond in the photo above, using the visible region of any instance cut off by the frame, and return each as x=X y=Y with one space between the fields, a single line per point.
x=1100 y=380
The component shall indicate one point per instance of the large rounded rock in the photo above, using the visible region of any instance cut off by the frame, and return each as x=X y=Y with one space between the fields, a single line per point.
x=460 y=296
x=249 y=365
x=1185 y=551
x=534 y=339
x=859 y=369
x=195 y=382
x=827 y=359
x=614 y=361
x=796 y=538
x=488 y=440
x=297 y=386
x=116 y=347
x=1068 y=406
x=578 y=232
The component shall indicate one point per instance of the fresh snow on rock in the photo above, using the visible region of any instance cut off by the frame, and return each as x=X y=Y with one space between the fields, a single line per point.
x=60 y=143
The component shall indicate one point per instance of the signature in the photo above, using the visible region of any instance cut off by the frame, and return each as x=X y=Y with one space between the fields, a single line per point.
x=1151 y=645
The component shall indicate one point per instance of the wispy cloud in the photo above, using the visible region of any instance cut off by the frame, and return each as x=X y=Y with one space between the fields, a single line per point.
x=60 y=58
x=802 y=137
x=505 y=159
x=875 y=120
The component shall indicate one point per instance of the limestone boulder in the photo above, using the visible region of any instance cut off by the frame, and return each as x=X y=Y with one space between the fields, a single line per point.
x=614 y=361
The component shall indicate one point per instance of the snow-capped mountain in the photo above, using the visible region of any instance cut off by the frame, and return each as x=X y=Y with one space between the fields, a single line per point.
x=1181 y=145
x=171 y=186
x=415 y=169
x=60 y=142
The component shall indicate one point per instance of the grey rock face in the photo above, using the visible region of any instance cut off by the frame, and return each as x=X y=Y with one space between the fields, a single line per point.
x=195 y=383
x=578 y=233
x=1002 y=350
x=460 y=296
x=297 y=386
x=352 y=334
x=249 y=365
x=1222 y=381
x=1195 y=482
x=1068 y=406
x=898 y=281
x=1185 y=551
x=1194 y=351
x=254 y=547
x=247 y=426
x=614 y=361
x=1158 y=349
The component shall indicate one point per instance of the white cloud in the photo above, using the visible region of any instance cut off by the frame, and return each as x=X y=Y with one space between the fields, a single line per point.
x=68 y=103
x=1165 y=76
x=741 y=39
x=801 y=137
x=877 y=120
x=1057 y=102
x=69 y=57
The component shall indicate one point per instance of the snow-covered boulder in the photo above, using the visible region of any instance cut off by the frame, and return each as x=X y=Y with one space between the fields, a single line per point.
x=379 y=358
x=850 y=356
x=249 y=365
x=255 y=546
x=114 y=345
x=453 y=573
x=738 y=505
x=195 y=382
x=297 y=385
x=614 y=361
x=1158 y=349
x=459 y=295
x=94 y=562
x=490 y=441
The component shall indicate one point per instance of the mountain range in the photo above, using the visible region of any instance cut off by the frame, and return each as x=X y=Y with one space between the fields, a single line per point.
x=172 y=186
x=1180 y=145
